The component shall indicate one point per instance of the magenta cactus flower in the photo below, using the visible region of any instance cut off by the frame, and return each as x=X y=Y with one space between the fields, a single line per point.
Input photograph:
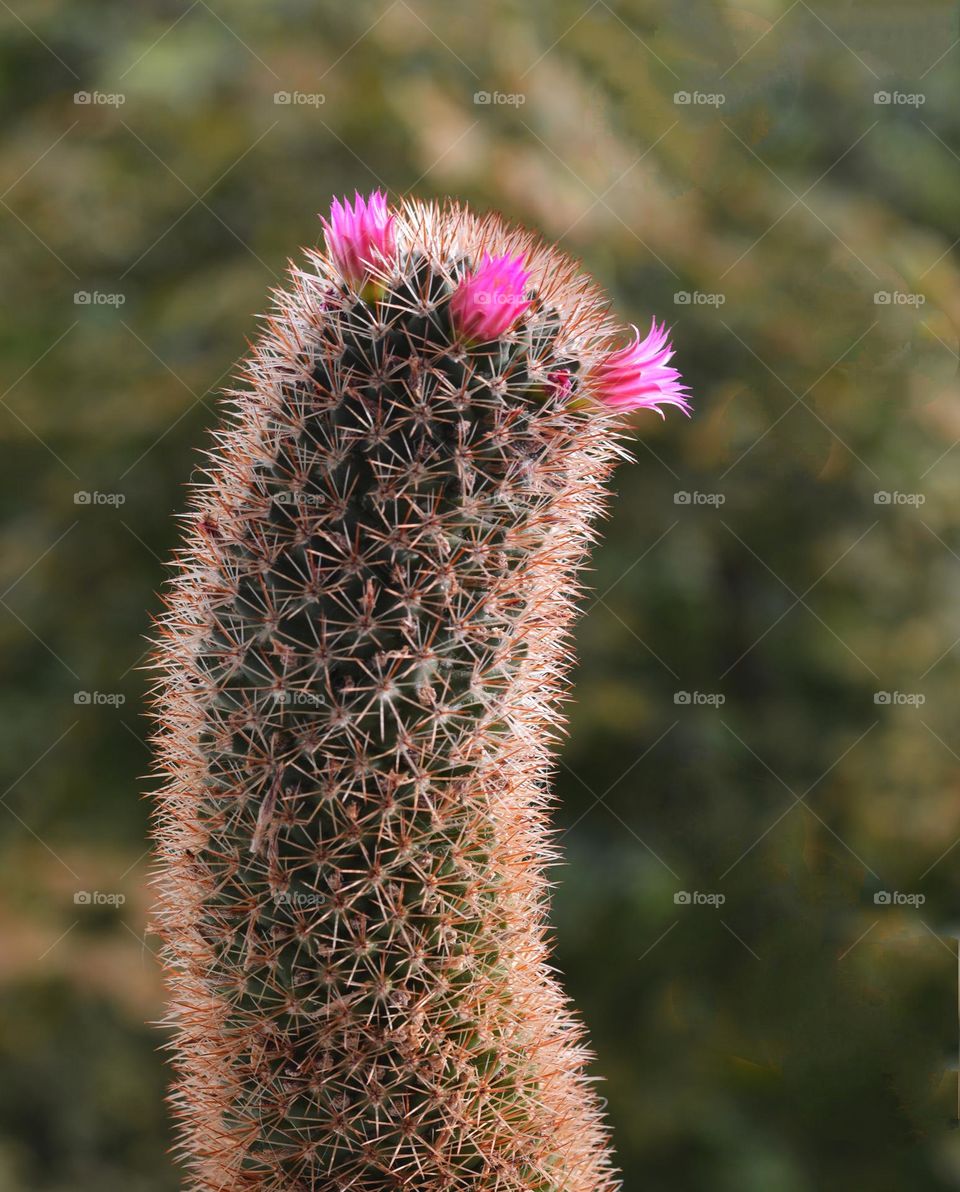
x=360 y=236
x=487 y=303
x=638 y=377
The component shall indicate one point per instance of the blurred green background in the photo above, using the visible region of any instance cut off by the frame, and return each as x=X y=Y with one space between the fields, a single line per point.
x=759 y=796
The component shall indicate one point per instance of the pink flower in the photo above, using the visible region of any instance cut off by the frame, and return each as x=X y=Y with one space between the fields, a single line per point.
x=359 y=236
x=637 y=377
x=490 y=301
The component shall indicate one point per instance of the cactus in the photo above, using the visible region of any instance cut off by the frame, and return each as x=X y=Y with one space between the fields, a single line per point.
x=361 y=662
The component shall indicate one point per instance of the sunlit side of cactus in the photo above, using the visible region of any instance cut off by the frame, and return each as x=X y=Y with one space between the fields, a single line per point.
x=361 y=664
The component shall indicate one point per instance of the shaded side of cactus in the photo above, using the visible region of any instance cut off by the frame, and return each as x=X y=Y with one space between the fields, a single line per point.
x=361 y=664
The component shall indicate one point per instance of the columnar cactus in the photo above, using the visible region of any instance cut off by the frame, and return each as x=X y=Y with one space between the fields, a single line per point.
x=361 y=662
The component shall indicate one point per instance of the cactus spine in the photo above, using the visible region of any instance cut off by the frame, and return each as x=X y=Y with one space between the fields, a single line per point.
x=360 y=665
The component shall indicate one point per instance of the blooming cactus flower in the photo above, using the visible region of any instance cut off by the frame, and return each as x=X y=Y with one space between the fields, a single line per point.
x=638 y=377
x=361 y=235
x=488 y=302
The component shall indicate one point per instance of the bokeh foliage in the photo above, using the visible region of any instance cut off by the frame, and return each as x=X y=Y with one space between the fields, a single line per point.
x=799 y=1036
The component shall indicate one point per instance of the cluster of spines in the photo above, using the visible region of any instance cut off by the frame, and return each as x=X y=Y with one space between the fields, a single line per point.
x=362 y=661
